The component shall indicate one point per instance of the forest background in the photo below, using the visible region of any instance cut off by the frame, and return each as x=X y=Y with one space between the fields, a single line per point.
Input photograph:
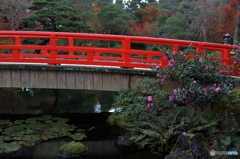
x=196 y=20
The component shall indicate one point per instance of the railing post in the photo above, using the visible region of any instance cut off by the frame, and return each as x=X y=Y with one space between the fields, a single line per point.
x=53 y=51
x=70 y=44
x=90 y=56
x=225 y=55
x=126 y=45
x=175 y=48
x=16 y=52
x=200 y=49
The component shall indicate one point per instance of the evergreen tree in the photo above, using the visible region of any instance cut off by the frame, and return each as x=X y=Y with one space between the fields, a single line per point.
x=114 y=19
x=51 y=15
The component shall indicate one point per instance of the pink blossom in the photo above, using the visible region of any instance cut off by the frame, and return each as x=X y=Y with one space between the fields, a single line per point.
x=150 y=98
x=184 y=56
x=180 y=52
x=150 y=105
x=206 y=89
x=170 y=98
x=229 y=92
x=184 y=133
x=157 y=66
x=174 y=52
x=217 y=89
x=147 y=108
x=163 y=79
x=175 y=91
x=172 y=61
x=165 y=57
x=183 y=101
x=206 y=68
x=170 y=65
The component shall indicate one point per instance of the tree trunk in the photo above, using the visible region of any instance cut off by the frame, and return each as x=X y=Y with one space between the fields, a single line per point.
x=204 y=31
x=237 y=27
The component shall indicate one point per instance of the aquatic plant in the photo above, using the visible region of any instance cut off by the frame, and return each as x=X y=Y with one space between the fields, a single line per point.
x=36 y=129
x=73 y=148
x=78 y=136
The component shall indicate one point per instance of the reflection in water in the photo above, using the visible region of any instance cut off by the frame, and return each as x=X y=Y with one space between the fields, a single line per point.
x=97 y=107
x=54 y=101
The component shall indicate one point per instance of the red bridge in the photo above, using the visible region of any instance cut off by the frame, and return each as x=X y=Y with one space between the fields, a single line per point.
x=97 y=49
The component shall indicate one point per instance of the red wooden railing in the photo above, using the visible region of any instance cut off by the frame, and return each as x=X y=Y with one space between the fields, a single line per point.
x=84 y=49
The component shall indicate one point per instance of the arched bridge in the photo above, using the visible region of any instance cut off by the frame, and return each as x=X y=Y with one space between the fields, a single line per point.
x=55 y=48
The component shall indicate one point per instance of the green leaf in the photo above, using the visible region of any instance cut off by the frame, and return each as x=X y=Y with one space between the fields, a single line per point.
x=226 y=141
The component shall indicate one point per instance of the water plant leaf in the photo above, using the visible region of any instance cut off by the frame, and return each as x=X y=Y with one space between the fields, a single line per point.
x=48 y=121
x=45 y=117
x=5 y=138
x=31 y=120
x=18 y=122
x=5 y=122
x=78 y=136
x=9 y=147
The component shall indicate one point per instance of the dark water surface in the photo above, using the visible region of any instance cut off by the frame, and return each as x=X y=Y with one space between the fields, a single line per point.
x=53 y=101
x=76 y=105
x=102 y=140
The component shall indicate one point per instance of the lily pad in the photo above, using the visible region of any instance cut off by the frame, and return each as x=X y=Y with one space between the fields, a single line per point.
x=18 y=122
x=78 y=136
x=45 y=117
x=48 y=121
x=5 y=122
x=5 y=138
x=9 y=147
x=31 y=120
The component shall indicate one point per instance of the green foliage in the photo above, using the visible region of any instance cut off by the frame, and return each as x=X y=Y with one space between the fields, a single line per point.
x=200 y=80
x=115 y=21
x=78 y=136
x=154 y=119
x=52 y=16
x=73 y=148
x=28 y=132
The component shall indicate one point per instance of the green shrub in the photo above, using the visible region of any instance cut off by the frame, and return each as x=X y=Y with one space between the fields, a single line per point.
x=155 y=119
x=73 y=148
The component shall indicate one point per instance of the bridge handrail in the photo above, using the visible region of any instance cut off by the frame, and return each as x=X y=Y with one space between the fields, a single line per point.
x=50 y=53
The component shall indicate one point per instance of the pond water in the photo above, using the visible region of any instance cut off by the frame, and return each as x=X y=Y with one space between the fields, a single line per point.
x=80 y=107
x=102 y=141
x=54 y=101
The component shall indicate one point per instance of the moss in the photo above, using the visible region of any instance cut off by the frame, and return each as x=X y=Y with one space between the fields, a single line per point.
x=73 y=148
x=117 y=120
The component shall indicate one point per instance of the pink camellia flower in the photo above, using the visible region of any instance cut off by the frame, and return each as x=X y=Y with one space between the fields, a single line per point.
x=175 y=91
x=172 y=60
x=170 y=98
x=217 y=89
x=150 y=105
x=206 y=68
x=163 y=79
x=170 y=65
x=174 y=52
x=229 y=93
x=184 y=56
x=165 y=57
x=206 y=89
x=157 y=67
x=147 y=108
x=150 y=98
x=180 y=52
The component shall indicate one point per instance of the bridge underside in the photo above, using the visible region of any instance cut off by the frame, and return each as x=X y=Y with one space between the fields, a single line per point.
x=70 y=77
